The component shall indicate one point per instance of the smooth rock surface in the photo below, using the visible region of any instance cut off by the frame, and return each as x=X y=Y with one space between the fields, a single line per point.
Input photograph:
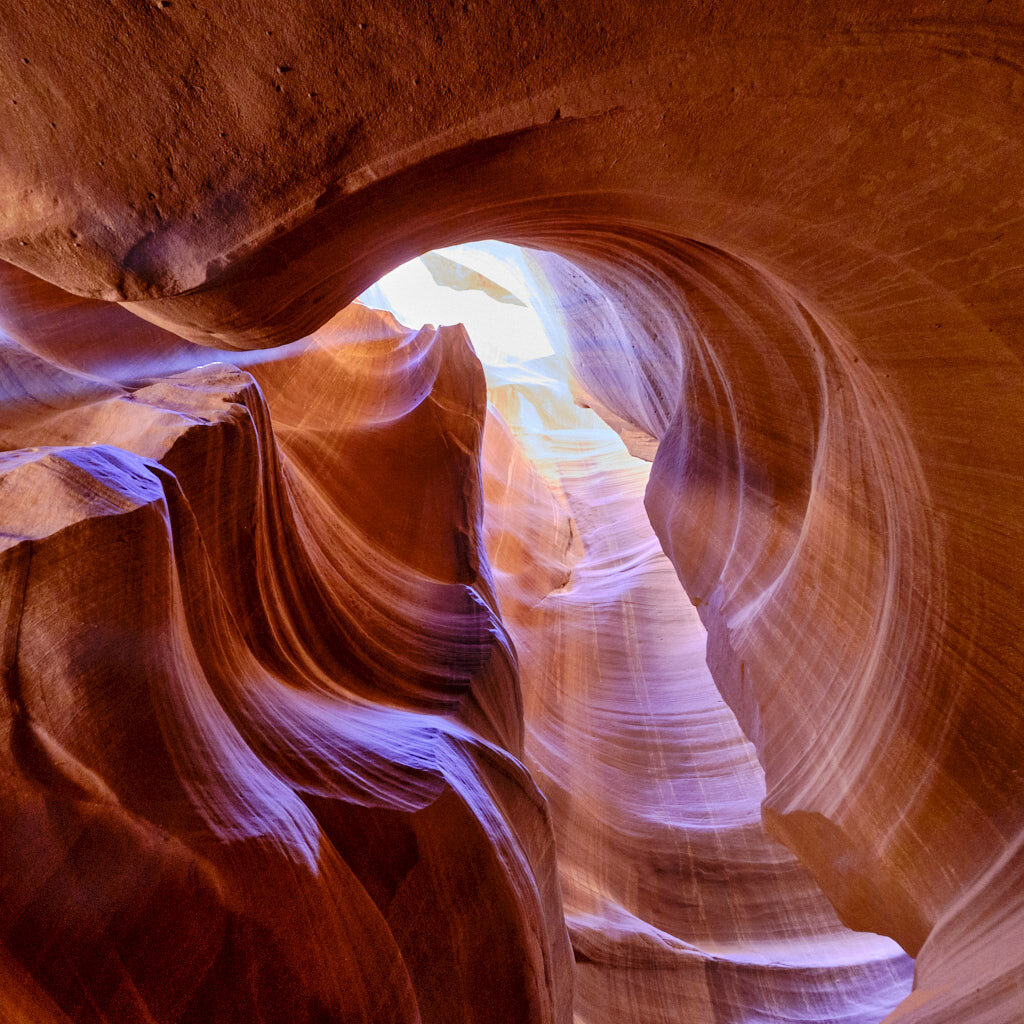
x=678 y=903
x=794 y=233
x=234 y=702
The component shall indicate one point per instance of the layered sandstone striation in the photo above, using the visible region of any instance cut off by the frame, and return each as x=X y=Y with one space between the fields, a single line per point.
x=261 y=728
x=785 y=239
x=678 y=903
x=470 y=722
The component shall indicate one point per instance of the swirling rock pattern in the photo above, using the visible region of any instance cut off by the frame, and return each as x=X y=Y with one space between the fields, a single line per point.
x=678 y=903
x=793 y=235
x=235 y=708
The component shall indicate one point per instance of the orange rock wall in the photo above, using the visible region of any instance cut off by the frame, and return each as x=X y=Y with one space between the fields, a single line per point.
x=806 y=222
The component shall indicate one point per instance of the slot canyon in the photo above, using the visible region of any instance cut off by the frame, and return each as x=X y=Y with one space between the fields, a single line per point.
x=512 y=513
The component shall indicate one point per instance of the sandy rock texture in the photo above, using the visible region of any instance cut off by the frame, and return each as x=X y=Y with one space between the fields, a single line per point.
x=786 y=238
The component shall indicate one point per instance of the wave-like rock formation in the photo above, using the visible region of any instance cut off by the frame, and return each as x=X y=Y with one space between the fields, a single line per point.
x=267 y=745
x=679 y=905
x=874 y=773
x=261 y=725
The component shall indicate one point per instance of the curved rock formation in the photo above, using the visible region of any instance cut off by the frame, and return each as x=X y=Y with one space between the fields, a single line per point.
x=678 y=903
x=234 y=703
x=835 y=534
x=786 y=240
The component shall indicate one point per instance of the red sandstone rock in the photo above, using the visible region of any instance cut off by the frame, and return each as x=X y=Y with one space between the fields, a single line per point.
x=678 y=903
x=801 y=234
x=230 y=699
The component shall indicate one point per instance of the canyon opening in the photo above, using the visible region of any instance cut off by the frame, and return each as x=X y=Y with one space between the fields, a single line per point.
x=615 y=620
x=654 y=792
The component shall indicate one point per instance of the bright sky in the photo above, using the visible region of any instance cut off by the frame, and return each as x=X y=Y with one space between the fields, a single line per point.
x=501 y=333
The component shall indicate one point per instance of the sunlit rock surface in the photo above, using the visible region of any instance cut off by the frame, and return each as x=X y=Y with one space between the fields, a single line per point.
x=679 y=905
x=274 y=631
x=793 y=235
x=811 y=522
x=237 y=781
